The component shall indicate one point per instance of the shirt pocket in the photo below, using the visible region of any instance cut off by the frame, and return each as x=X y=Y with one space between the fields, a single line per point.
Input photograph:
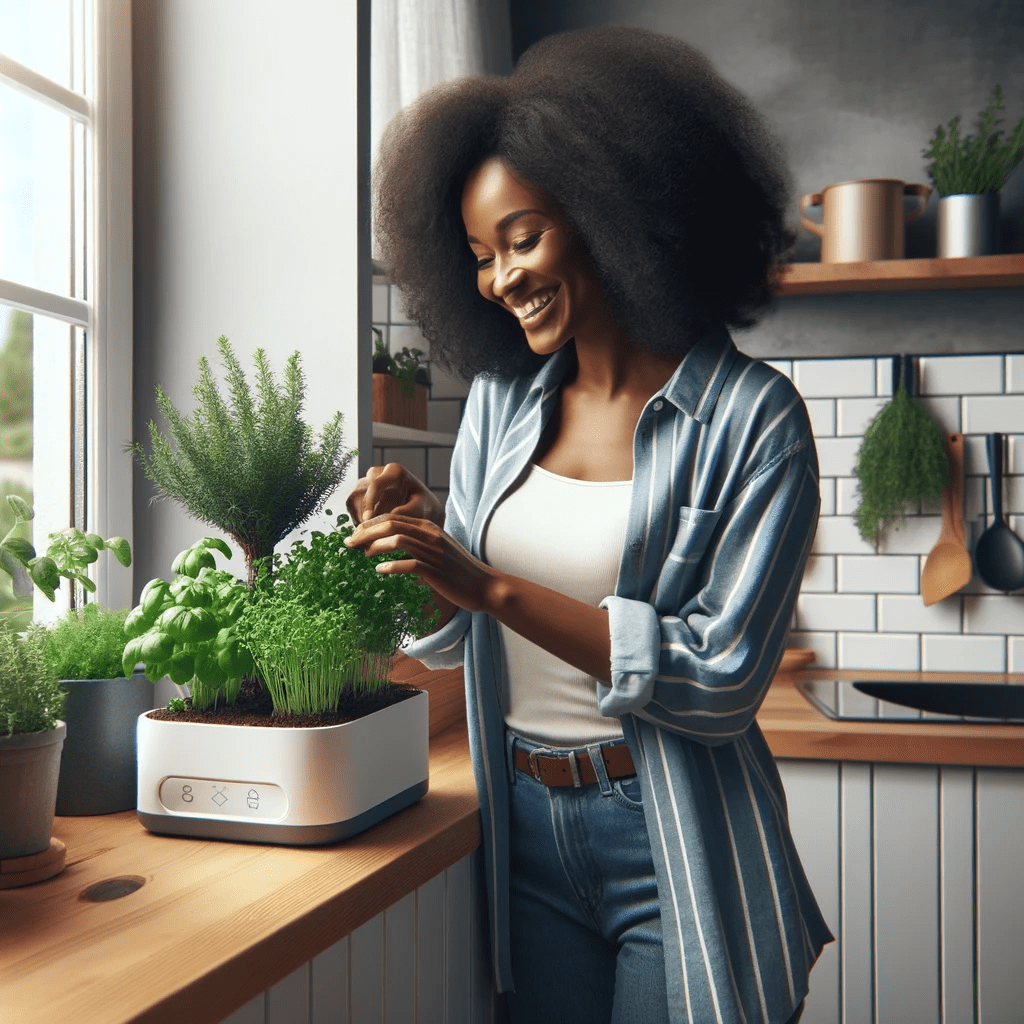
x=684 y=570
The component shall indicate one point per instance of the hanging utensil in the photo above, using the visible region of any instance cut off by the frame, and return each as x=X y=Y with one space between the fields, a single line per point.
x=948 y=566
x=999 y=552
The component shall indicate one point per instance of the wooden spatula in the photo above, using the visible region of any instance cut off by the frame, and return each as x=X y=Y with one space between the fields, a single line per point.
x=948 y=566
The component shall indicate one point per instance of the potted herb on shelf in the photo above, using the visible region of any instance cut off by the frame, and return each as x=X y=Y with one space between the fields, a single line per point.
x=968 y=173
x=400 y=384
x=31 y=736
x=281 y=738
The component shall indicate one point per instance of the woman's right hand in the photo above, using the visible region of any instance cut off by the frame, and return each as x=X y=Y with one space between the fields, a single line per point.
x=393 y=489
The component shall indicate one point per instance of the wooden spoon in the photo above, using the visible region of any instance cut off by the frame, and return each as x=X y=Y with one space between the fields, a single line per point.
x=948 y=566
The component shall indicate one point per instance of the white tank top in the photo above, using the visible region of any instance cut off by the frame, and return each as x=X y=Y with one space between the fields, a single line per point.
x=566 y=535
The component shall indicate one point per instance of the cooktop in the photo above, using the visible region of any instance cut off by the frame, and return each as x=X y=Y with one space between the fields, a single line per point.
x=912 y=701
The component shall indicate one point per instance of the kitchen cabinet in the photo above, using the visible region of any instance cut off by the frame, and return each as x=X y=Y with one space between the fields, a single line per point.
x=914 y=864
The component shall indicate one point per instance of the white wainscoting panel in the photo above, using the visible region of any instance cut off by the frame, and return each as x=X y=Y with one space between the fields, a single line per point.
x=422 y=961
x=917 y=870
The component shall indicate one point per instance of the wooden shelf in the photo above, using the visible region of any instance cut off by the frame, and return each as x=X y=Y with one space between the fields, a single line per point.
x=392 y=436
x=1003 y=271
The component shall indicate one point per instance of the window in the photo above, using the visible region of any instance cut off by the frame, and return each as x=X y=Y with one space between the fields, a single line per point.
x=65 y=275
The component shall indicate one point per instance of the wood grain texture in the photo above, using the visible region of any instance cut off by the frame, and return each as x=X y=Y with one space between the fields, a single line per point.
x=1001 y=271
x=794 y=728
x=217 y=923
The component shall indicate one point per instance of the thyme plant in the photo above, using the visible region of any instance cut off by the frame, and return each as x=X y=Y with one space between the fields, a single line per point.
x=325 y=622
x=31 y=697
x=252 y=468
x=976 y=163
x=87 y=643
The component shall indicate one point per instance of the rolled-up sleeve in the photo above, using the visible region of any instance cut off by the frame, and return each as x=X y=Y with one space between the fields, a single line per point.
x=702 y=667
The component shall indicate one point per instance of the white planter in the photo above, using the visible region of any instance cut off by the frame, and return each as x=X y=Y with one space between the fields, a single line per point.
x=969 y=225
x=296 y=787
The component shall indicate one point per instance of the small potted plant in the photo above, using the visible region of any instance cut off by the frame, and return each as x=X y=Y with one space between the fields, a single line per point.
x=968 y=173
x=83 y=649
x=31 y=736
x=400 y=384
x=290 y=707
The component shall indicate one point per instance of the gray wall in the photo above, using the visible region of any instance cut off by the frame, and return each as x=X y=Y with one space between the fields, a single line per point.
x=855 y=91
x=251 y=129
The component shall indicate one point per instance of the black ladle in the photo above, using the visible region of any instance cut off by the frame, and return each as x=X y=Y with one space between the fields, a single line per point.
x=999 y=552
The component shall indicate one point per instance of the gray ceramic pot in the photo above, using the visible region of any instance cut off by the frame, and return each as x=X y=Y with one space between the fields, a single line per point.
x=29 y=765
x=98 y=766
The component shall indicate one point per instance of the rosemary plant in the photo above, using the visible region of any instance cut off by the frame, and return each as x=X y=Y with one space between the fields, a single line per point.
x=979 y=163
x=252 y=469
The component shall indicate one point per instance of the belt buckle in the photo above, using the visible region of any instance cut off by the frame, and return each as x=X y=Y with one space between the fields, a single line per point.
x=531 y=760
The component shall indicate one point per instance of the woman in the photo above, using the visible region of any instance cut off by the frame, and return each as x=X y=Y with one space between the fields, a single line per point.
x=632 y=503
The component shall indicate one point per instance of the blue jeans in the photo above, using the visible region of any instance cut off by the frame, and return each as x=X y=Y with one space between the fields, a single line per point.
x=586 y=926
x=585 y=919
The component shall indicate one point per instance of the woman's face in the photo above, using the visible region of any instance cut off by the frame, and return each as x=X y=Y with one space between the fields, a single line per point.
x=530 y=261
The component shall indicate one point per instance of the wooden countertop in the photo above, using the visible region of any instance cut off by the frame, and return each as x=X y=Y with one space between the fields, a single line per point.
x=216 y=923
x=794 y=728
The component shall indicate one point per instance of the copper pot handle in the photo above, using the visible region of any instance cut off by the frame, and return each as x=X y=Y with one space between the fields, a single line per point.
x=811 y=199
x=922 y=192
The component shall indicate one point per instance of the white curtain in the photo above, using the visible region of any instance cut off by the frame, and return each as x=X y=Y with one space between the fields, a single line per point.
x=417 y=43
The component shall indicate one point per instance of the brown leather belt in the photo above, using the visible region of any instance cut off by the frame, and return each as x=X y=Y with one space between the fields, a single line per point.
x=569 y=770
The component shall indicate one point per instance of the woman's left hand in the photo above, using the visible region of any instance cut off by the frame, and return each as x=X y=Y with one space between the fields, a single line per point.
x=437 y=558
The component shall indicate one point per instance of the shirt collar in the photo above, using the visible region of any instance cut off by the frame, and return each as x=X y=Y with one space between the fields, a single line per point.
x=693 y=388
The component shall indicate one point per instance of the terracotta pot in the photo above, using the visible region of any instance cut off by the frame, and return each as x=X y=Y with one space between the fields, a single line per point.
x=399 y=402
x=862 y=220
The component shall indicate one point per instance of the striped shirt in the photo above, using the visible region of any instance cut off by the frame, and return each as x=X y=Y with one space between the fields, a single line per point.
x=723 y=510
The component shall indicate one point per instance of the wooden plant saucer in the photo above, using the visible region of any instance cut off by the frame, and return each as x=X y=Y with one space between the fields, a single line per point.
x=33 y=867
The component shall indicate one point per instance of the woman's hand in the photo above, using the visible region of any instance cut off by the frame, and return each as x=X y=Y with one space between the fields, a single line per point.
x=441 y=562
x=393 y=489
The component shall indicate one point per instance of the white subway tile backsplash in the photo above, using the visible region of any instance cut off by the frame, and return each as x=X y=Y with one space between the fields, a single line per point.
x=379 y=307
x=837 y=455
x=898 y=652
x=948 y=653
x=1015 y=453
x=883 y=377
x=834 y=378
x=960 y=375
x=1015 y=654
x=822 y=413
x=984 y=414
x=993 y=614
x=1015 y=374
x=827 y=487
x=823 y=645
x=854 y=415
x=877 y=574
x=945 y=411
x=899 y=613
x=847 y=495
x=837 y=535
x=838 y=612
x=819 y=575
x=916 y=535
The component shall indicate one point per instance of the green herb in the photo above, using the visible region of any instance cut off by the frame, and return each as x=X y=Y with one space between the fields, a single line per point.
x=72 y=550
x=979 y=163
x=87 y=643
x=187 y=629
x=251 y=469
x=408 y=366
x=902 y=460
x=177 y=704
x=31 y=697
x=325 y=621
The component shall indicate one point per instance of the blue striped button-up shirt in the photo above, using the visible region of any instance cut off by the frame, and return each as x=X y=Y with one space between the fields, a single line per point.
x=723 y=511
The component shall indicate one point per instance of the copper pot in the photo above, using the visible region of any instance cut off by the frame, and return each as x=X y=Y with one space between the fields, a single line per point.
x=863 y=220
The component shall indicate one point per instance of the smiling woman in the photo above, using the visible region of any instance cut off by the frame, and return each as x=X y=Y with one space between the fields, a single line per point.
x=632 y=503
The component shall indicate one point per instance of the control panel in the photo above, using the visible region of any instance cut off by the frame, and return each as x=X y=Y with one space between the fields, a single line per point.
x=207 y=797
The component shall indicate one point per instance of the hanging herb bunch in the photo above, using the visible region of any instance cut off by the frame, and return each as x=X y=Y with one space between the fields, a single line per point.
x=902 y=461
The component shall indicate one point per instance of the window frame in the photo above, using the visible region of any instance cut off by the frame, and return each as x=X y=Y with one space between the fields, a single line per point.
x=107 y=314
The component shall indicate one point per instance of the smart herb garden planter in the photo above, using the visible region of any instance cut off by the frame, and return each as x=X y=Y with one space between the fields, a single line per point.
x=271 y=784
